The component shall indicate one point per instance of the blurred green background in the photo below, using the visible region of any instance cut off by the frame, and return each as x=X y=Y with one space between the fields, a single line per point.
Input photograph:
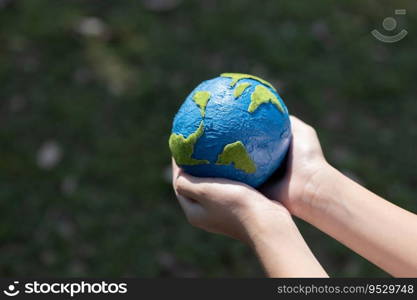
x=88 y=90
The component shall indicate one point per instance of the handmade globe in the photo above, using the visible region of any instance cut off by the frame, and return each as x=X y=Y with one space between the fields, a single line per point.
x=235 y=126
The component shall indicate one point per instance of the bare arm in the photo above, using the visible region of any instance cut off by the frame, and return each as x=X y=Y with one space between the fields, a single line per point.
x=237 y=210
x=283 y=252
x=380 y=231
x=312 y=190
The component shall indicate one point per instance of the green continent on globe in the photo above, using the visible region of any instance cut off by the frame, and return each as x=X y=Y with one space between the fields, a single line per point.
x=262 y=95
x=236 y=153
x=182 y=148
x=238 y=76
x=201 y=98
x=241 y=88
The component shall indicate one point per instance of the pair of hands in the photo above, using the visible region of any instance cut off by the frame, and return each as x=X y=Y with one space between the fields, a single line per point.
x=378 y=230
x=237 y=210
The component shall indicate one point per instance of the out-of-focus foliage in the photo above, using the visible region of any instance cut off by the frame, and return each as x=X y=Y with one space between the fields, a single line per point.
x=88 y=90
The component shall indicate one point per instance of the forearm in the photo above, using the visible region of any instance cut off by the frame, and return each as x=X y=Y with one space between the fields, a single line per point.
x=378 y=230
x=283 y=252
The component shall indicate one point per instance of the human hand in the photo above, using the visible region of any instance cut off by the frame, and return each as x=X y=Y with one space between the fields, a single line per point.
x=234 y=209
x=306 y=170
x=228 y=207
x=314 y=191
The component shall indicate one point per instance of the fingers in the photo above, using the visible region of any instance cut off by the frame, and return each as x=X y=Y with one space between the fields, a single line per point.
x=184 y=202
x=191 y=208
x=175 y=170
x=193 y=187
x=298 y=125
x=204 y=190
x=302 y=130
x=305 y=141
x=294 y=119
x=180 y=181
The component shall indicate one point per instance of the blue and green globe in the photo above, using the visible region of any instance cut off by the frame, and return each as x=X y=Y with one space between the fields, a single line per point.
x=234 y=126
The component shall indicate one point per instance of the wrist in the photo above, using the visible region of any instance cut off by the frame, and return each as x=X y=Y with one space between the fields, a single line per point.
x=320 y=193
x=269 y=224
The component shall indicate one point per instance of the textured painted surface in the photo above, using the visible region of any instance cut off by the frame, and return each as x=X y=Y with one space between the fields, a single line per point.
x=240 y=89
x=262 y=95
x=201 y=98
x=236 y=154
x=182 y=148
x=239 y=76
x=264 y=133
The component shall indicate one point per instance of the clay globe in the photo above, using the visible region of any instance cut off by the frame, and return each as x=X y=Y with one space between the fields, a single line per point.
x=234 y=126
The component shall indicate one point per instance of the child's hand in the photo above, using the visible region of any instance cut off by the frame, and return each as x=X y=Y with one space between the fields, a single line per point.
x=239 y=211
x=306 y=169
x=228 y=207
x=314 y=191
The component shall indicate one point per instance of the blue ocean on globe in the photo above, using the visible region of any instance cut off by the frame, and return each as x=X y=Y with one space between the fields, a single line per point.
x=235 y=126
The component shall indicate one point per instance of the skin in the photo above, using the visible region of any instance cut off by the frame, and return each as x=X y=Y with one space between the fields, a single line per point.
x=239 y=211
x=314 y=191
